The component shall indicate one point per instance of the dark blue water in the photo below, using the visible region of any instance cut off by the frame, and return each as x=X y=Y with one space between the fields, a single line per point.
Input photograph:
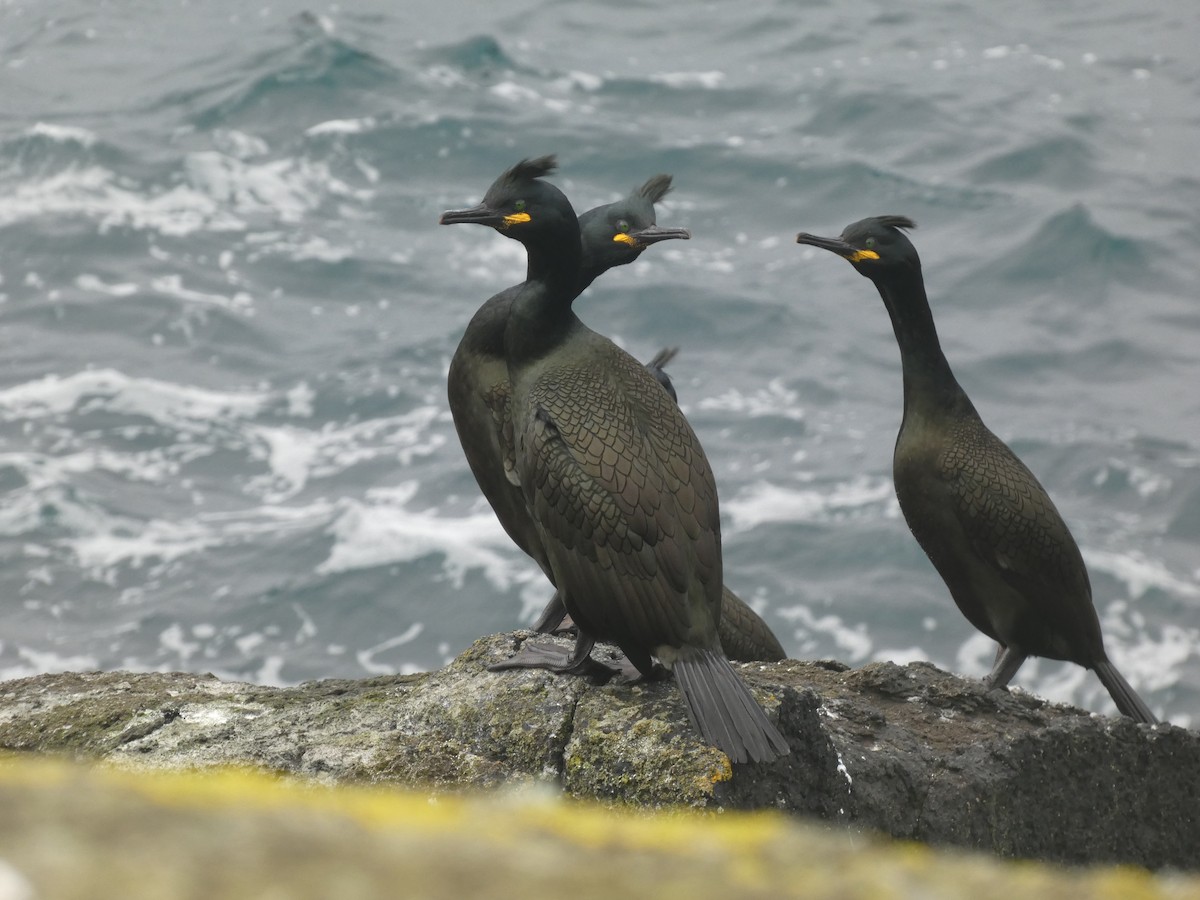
x=227 y=311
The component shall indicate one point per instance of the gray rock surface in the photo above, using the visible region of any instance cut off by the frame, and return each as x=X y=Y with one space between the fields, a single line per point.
x=910 y=751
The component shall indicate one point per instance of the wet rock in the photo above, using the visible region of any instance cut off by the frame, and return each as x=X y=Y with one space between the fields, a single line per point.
x=907 y=750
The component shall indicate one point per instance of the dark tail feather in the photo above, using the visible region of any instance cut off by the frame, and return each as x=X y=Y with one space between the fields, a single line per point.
x=723 y=710
x=1126 y=698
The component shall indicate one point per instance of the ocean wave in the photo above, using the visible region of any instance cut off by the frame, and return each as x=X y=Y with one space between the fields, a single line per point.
x=385 y=528
x=36 y=662
x=812 y=631
x=1063 y=160
x=218 y=193
x=62 y=134
x=181 y=406
x=765 y=502
x=1139 y=573
x=776 y=399
x=97 y=194
x=1099 y=256
x=196 y=422
x=48 y=147
x=111 y=544
x=312 y=69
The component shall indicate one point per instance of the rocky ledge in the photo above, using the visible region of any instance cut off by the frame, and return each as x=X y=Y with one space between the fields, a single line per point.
x=909 y=751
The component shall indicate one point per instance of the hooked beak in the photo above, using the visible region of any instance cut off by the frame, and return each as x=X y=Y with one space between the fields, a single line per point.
x=836 y=245
x=652 y=234
x=478 y=215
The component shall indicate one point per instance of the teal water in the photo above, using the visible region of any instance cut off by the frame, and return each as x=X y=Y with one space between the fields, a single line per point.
x=227 y=311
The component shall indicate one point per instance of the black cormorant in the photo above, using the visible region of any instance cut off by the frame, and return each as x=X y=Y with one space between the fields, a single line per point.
x=614 y=234
x=983 y=519
x=615 y=479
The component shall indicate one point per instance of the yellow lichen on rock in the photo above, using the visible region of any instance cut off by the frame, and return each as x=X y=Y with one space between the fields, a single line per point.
x=85 y=832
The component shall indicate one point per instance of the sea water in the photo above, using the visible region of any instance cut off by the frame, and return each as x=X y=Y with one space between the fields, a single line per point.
x=227 y=311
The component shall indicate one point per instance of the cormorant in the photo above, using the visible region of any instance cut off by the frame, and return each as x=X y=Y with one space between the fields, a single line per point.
x=616 y=481
x=614 y=234
x=986 y=524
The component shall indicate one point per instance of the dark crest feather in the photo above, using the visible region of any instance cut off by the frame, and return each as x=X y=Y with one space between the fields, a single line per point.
x=655 y=188
x=531 y=168
x=898 y=222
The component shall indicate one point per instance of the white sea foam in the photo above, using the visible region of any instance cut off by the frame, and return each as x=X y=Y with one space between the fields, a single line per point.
x=515 y=93
x=852 y=640
x=1156 y=662
x=295 y=455
x=88 y=282
x=271 y=671
x=183 y=406
x=283 y=189
x=290 y=454
x=975 y=655
x=366 y=658
x=1144 y=481
x=443 y=76
x=901 y=656
x=94 y=193
x=135 y=543
x=172 y=286
x=239 y=144
x=583 y=80
x=296 y=248
x=776 y=399
x=222 y=193
x=1140 y=574
x=387 y=529
x=38 y=661
x=764 y=502
x=300 y=401
x=108 y=542
x=63 y=134
x=343 y=126
x=487 y=261
x=710 y=80
x=172 y=640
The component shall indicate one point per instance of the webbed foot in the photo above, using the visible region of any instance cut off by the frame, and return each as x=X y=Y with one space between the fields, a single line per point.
x=579 y=662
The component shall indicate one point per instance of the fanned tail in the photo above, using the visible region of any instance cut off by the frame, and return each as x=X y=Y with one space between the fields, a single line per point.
x=1126 y=698
x=723 y=710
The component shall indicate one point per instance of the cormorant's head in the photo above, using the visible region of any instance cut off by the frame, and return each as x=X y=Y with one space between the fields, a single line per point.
x=876 y=246
x=519 y=204
x=617 y=233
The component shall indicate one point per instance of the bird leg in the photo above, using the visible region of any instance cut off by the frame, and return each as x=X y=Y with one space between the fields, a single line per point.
x=554 y=618
x=1008 y=660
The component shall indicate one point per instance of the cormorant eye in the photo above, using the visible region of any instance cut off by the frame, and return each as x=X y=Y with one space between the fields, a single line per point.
x=519 y=206
x=869 y=243
x=622 y=226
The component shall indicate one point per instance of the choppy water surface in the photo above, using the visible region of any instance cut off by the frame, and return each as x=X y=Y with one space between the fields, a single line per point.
x=227 y=311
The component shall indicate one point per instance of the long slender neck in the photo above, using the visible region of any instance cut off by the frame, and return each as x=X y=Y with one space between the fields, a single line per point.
x=589 y=272
x=593 y=264
x=541 y=313
x=927 y=375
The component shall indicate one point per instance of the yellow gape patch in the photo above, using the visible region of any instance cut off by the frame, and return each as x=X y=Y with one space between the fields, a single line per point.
x=625 y=239
x=515 y=219
x=860 y=255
